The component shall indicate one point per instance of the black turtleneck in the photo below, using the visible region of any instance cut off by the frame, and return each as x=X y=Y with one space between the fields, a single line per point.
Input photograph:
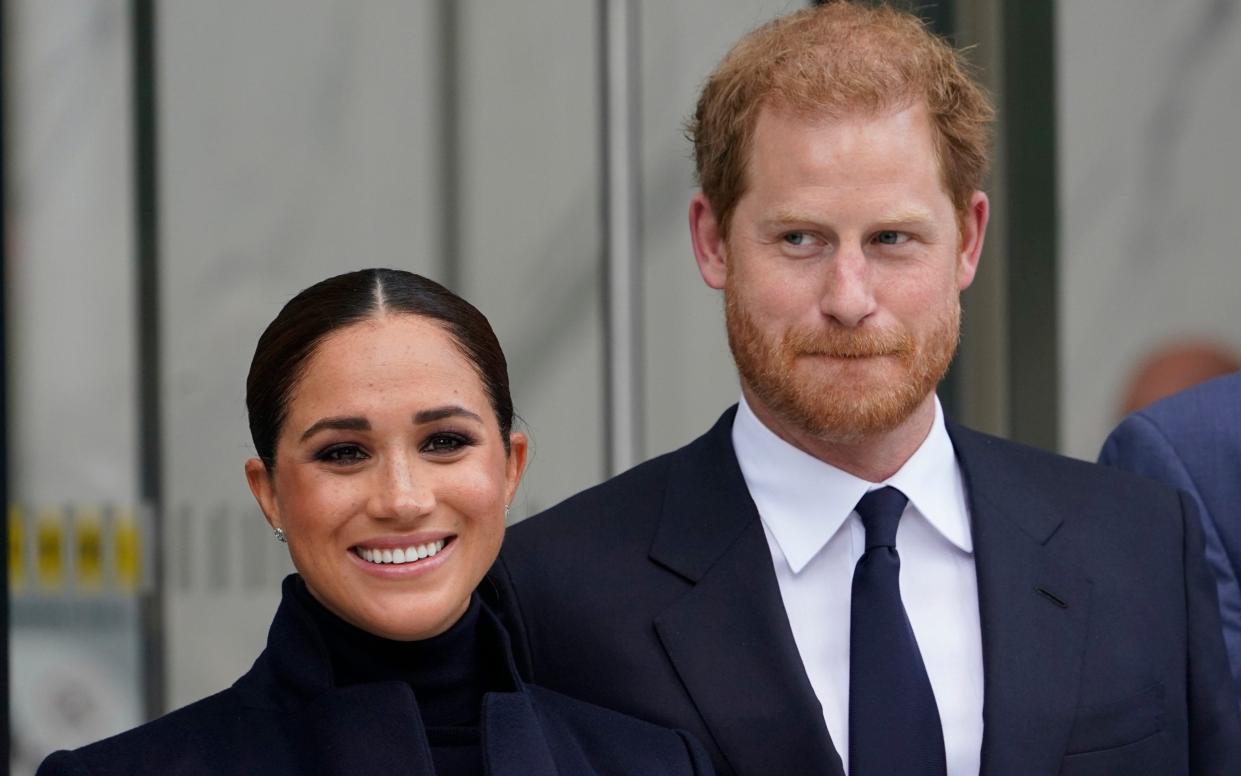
x=448 y=673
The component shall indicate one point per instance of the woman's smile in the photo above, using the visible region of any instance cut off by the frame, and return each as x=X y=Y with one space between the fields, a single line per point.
x=409 y=554
x=395 y=558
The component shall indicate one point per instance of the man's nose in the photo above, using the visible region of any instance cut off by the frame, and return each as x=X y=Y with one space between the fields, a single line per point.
x=848 y=293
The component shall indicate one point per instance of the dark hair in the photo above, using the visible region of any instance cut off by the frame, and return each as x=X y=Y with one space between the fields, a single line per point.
x=333 y=304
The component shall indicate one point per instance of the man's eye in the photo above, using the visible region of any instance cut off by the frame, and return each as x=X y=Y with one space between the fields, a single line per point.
x=342 y=454
x=445 y=443
x=889 y=237
x=796 y=239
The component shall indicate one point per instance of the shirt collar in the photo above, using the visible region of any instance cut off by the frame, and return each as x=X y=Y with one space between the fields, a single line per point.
x=804 y=501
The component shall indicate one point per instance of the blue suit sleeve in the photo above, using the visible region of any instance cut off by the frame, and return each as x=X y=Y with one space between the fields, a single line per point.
x=1214 y=718
x=1138 y=445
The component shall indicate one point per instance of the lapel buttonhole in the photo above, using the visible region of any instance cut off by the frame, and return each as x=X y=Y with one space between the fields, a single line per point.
x=1050 y=596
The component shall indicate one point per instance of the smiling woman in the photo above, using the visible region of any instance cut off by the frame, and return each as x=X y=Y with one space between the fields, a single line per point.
x=380 y=411
x=388 y=442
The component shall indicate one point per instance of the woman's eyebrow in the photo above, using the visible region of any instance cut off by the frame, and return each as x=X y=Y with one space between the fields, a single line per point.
x=447 y=411
x=344 y=423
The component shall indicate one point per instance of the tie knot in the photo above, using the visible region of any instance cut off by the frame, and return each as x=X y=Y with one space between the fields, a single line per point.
x=880 y=511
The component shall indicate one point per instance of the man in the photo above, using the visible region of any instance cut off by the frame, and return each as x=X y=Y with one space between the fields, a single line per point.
x=1174 y=367
x=1192 y=441
x=834 y=579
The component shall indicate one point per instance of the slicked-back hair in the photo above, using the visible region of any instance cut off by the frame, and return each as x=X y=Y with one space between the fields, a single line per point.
x=288 y=342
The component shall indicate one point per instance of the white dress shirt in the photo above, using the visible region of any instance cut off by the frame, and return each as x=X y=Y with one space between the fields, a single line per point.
x=816 y=540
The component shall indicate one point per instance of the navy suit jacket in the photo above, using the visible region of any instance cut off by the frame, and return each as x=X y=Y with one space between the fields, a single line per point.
x=654 y=593
x=285 y=716
x=1192 y=441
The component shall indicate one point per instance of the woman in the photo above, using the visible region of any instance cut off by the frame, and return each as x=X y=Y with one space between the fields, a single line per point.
x=380 y=410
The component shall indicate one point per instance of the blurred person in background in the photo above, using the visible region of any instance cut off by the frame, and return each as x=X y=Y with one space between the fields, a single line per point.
x=835 y=578
x=1192 y=441
x=380 y=411
x=1173 y=368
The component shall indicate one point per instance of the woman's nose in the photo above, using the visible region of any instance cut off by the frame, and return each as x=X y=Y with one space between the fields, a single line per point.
x=402 y=492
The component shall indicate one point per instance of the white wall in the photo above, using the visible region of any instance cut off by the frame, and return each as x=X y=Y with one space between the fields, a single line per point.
x=1150 y=193
x=70 y=253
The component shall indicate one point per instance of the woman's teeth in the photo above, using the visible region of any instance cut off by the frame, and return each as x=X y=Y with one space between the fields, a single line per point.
x=408 y=555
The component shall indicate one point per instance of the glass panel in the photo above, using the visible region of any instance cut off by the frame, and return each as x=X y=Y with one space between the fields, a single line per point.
x=76 y=561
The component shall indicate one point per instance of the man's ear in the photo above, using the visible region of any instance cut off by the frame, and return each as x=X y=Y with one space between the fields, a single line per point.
x=710 y=248
x=973 y=230
x=264 y=491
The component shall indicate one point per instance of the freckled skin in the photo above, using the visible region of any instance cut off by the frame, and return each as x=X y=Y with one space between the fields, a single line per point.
x=842 y=270
x=338 y=488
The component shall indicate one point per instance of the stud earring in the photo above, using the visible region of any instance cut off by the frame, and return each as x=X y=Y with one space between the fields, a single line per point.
x=279 y=534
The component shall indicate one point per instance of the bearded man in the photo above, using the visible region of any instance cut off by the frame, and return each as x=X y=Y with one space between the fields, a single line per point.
x=835 y=578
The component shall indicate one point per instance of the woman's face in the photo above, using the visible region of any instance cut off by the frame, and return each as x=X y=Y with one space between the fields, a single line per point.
x=391 y=477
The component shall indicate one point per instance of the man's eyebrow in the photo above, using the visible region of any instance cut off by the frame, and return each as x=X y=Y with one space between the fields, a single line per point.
x=344 y=423
x=783 y=216
x=908 y=216
x=902 y=216
x=447 y=411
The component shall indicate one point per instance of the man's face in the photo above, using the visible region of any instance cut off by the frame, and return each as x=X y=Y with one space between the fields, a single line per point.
x=842 y=272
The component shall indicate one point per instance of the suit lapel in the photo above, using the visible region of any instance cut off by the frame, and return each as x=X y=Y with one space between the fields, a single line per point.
x=728 y=637
x=1034 y=609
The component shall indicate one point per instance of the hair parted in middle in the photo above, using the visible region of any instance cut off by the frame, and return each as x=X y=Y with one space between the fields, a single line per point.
x=833 y=60
x=291 y=339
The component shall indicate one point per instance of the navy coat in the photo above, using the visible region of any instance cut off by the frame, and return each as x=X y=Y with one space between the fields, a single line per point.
x=285 y=717
x=1192 y=441
x=655 y=594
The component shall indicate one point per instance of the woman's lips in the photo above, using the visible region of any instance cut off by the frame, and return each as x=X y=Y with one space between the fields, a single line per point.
x=390 y=558
x=411 y=553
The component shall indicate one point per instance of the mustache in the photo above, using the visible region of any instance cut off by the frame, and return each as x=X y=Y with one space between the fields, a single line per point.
x=848 y=343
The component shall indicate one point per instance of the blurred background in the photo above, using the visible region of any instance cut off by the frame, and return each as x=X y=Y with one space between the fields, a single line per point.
x=174 y=171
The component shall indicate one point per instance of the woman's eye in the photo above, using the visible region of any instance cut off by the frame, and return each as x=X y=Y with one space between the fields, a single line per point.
x=445 y=443
x=889 y=237
x=343 y=454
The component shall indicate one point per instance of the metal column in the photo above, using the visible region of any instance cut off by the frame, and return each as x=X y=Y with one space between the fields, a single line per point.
x=448 y=144
x=4 y=384
x=150 y=404
x=622 y=293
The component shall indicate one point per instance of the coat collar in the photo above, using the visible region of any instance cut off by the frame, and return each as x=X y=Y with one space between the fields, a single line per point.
x=377 y=727
x=728 y=637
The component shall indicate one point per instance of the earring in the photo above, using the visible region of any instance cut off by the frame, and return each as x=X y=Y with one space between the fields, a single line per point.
x=279 y=534
x=506 y=511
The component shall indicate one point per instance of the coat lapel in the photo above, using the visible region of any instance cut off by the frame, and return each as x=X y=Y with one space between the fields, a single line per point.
x=371 y=728
x=729 y=637
x=513 y=741
x=1034 y=609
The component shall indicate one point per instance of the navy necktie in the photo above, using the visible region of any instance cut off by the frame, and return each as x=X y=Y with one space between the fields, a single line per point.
x=894 y=725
